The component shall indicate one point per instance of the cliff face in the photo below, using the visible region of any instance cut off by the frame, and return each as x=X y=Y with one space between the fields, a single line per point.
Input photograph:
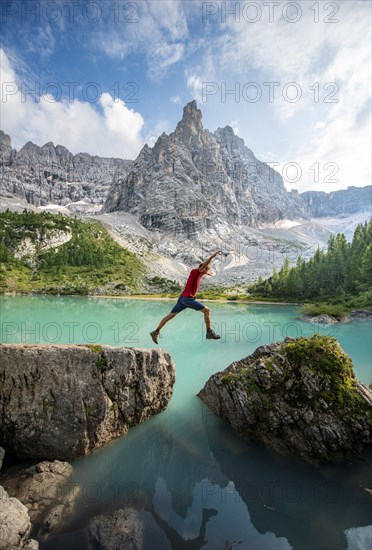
x=299 y=396
x=49 y=174
x=346 y=201
x=61 y=401
x=193 y=180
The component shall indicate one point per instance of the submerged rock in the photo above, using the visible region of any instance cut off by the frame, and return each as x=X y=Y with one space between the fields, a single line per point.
x=120 y=529
x=62 y=401
x=299 y=396
x=44 y=490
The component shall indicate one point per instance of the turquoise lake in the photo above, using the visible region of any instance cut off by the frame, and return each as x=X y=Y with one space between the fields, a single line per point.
x=186 y=460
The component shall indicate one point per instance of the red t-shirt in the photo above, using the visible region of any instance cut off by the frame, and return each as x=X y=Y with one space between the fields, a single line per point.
x=192 y=283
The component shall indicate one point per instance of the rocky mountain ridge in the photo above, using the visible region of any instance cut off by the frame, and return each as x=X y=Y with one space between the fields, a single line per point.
x=193 y=181
x=52 y=175
x=337 y=203
x=191 y=172
x=192 y=192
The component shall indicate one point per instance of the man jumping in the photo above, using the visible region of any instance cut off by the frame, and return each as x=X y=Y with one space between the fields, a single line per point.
x=187 y=299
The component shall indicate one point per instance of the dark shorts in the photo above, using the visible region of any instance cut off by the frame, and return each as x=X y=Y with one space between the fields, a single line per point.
x=184 y=302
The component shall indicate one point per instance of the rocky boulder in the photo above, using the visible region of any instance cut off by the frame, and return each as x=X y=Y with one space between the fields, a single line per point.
x=299 y=396
x=120 y=529
x=44 y=490
x=15 y=524
x=324 y=319
x=62 y=401
x=361 y=314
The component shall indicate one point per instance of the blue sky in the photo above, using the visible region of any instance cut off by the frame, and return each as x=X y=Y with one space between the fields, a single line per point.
x=105 y=77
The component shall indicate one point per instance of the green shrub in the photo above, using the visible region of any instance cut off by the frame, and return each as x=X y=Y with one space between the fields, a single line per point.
x=335 y=310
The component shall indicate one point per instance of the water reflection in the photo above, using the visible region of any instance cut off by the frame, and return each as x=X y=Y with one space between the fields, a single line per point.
x=311 y=507
x=176 y=541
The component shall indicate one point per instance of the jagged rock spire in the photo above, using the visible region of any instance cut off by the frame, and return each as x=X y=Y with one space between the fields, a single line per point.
x=191 y=123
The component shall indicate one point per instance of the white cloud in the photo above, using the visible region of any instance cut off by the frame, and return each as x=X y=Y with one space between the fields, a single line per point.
x=162 y=56
x=195 y=83
x=358 y=537
x=335 y=55
x=42 y=41
x=341 y=152
x=159 y=35
x=117 y=132
x=176 y=99
x=168 y=17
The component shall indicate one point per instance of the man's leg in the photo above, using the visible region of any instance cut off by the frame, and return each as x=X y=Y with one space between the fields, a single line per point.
x=211 y=335
x=207 y=317
x=165 y=320
x=155 y=333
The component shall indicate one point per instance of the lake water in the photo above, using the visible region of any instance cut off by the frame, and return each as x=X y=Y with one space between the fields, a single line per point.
x=185 y=459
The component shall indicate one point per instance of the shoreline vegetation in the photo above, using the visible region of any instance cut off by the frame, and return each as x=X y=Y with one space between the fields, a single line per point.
x=45 y=254
x=340 y=276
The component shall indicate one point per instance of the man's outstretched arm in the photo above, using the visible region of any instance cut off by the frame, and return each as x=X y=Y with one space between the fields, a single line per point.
x=205 y=264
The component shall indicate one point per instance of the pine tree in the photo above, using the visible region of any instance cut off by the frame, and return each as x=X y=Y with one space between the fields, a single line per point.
x=340 y=272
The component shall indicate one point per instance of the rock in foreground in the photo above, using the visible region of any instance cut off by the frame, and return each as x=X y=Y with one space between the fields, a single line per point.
x=44 y=489
x=121 y=529
x=15 y=524
x=61 y=401
x=299 y=396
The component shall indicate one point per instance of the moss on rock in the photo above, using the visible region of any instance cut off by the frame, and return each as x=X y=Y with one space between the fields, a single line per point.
x=299 y=396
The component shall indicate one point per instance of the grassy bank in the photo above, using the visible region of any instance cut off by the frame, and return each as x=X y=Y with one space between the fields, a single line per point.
x=89 y=262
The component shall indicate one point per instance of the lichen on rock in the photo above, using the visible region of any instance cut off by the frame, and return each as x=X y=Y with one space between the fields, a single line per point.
x=299 y=396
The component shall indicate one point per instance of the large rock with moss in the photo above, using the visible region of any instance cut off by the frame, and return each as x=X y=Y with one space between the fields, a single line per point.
x=299 y=396
x=61 y=401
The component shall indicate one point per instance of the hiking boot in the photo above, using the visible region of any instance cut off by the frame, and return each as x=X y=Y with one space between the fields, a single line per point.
x=211 y=335
x=155 y=335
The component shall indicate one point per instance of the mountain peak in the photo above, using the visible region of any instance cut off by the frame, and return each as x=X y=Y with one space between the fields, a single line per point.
x=191 y=123
x=192 y=113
